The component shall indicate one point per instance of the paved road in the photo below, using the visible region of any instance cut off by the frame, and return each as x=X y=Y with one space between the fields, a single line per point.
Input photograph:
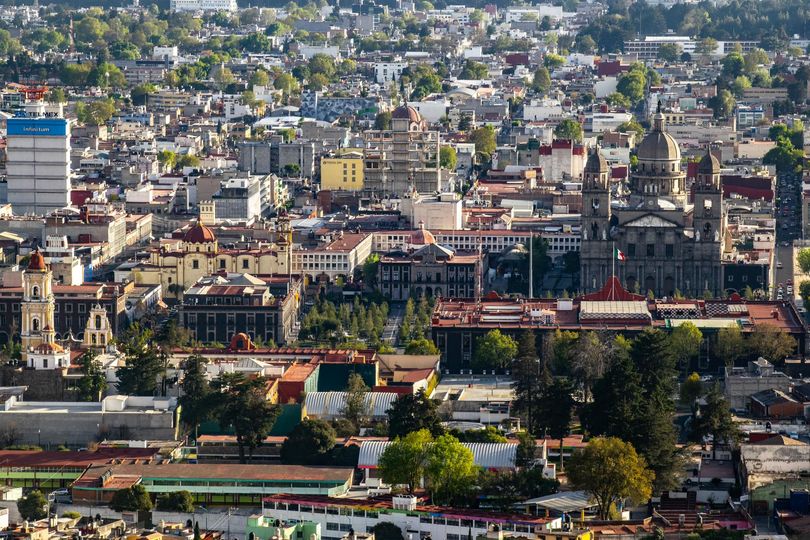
x=391 y=330
x=784 y=255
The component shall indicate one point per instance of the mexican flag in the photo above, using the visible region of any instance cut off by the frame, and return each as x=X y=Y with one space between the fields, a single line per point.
x=619 y=255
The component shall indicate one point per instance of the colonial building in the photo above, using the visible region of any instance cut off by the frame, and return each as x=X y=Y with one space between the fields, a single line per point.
x=218 y=307
x=404 y=157
x=431 y=270
x=37 y=335
x=179 y=263
x=668 y=244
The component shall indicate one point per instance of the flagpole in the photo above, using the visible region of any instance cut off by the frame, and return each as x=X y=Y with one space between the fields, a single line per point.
x=612 y=270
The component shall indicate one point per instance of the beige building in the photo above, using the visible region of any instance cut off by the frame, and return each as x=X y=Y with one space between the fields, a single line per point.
x=668 y=244
x=178 y=263
x=336 y=260
x=403 y=158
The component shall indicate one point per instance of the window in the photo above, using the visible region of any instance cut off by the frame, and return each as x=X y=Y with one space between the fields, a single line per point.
x=82 y=308
x=68 y=308
x=631 y=250
x=35 y=292
x=670 y=250
x=245 y=263
x=222 y=263
x=195 y=264
x=45 y=363
x=650 y=250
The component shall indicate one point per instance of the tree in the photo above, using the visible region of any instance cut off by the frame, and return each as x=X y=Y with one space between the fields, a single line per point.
x=195 y=403
x=383 y=121
x=569 y=129
x=754 y=58
x=106 y=75
x=131 y=499
x=722 y=104
x=176 y=501
x=669 y=52
x=803 y=258
x=611 y=470
x=733 y=65
x=541 y=81
x=730 y=345
x=167 y=158
x=771 y=342
x=632 y=126
x=714 y=419
x=473 y=70
x=706 y=46
x=95 y=113
x=556 y=410
x=286 y=83
x=740 y=85
x=140 y=94
x=529 y=378
x=57 y=95
x=685 y=341
x=494 y=350
x=412 y=412
x=804 y=292
x=421 y=346
x=552 y=61
x=93 y=382
x=187 y=160
x=632 y=85
x=484 y=140
x=617 y=99
x=33 y=506
x=385 y=530
x=449 y=469
x=356 y=410
x=308 y=443
x=691 y=389
x=448 y=158
x=243 y=406
x=588 y=361
x=144 y=362
x=403 y=461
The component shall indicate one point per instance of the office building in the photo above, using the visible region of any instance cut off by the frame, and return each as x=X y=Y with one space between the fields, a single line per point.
x=38 y=167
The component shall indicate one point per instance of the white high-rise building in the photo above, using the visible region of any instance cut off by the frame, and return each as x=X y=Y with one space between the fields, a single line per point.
x=203 y=5
x=38 y=166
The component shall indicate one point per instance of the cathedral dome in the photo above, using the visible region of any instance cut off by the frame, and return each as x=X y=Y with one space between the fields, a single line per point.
x=37 y=261
x=199 y=234
x=709 y=164
x=406 y=112
x=596 y=163
x=658 y=145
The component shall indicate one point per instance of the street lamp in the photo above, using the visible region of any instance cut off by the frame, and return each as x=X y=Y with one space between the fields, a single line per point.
x=39 y=438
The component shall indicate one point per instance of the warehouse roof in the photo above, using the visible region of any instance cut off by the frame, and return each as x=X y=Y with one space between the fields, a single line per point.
x=486 y=455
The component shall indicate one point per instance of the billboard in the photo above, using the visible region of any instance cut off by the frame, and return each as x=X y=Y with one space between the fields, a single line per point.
x=44 y=127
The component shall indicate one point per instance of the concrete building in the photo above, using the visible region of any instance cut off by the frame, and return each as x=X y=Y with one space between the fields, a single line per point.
x=386 y=72
x=67 y=268
x=77 y=423
x=336 y=260
x=742 y=383
x=238 y=201
x=443 y=212
x=218 y=307
x=431 y=270
x=344 y=172
x=203 y=5
x=38 y=166
x=404 y=158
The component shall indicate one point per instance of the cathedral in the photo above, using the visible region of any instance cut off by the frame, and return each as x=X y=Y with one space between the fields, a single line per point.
x=651 y=235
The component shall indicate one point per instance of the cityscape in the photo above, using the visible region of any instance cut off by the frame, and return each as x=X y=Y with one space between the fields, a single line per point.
x=404 y=270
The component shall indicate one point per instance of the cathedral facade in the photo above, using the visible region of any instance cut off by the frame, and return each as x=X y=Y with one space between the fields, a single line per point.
x=650 y=234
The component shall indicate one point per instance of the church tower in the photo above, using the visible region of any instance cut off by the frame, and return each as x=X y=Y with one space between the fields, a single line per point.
x=709 y=226
x=596 y=247
x=284 y=242
x=37 y=305
x=97 y=332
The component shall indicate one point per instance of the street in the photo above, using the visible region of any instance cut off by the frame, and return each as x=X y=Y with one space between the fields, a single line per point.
x=391 y=329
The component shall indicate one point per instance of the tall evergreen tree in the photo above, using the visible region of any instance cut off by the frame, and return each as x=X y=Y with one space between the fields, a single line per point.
x=529 y=380
x=195 y=403
x=412 y=412
x=555 y=411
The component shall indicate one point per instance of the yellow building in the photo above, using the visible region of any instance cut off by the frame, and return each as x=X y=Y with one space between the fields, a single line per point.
x=344 y=172
x=176 y=265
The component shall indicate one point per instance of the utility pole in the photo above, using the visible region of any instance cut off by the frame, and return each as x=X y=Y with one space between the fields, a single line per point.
x=531 y=265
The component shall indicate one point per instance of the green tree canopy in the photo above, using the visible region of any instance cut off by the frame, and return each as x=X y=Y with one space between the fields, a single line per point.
x=385 y=530
x=484 y=140
x=714 y=419
x=243 y=406
x=93 y=382
x=308 y=443
x=685 y=341
x=450 y=469
x=134 y=498
x=473 y=70
x=95 y=113
x=494 y=351
x=541 y=81
x=611 y=470
x=413 y=412
x=771 y=342
x=448 y=158
x=195 y=403
x=421 y=346
x=691 y=389
x=33 y=506
x=730 y=345
x=403 y=461
x=569 y=129
x=176 y=501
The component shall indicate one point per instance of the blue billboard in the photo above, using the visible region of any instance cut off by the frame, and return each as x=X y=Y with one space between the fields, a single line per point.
x=44 y=127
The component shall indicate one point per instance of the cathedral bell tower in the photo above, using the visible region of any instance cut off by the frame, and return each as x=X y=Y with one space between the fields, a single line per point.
x=708 y=223
x=596 y=247
x=37 y=307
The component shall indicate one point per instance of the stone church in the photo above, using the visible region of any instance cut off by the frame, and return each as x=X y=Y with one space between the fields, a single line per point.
x=669 y=244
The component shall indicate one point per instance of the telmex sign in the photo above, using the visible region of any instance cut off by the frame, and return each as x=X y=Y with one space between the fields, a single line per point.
x=47 y=127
